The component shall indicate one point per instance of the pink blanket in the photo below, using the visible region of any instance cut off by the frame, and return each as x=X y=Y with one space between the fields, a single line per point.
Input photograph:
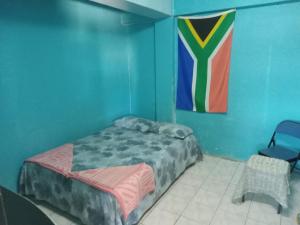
x=129 y=184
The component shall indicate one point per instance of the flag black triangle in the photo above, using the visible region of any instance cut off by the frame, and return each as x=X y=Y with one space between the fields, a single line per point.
x=204 y=26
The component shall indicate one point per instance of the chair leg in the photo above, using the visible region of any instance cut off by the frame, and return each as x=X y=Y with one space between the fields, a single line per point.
x=279 y=209
x=293 y=166
x=243 y=198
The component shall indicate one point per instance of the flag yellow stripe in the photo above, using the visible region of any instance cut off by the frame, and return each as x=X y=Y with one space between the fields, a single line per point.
x=194 y=33
x=209 y=36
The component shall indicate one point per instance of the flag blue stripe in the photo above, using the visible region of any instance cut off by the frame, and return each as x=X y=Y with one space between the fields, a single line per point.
x=185 y=78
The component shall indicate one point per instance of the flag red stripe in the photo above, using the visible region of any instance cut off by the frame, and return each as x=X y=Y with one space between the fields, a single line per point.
x=219 y=77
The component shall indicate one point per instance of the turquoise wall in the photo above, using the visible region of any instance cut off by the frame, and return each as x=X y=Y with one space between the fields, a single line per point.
x=164 y=61
x=195 y=6
x=264 y=80
x=142 y=67
x=164 y=6
x=64 y=73
x=68 y=68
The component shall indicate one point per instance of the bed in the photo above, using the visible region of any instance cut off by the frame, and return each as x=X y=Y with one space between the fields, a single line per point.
x=167 y=148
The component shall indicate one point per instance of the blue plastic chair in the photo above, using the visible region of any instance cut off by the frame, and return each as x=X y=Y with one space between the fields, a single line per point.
x=286 y=127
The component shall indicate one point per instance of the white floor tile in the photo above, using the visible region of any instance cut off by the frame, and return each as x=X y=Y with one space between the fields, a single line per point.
x=254 y=222
x=264 y=203
x=264 y=213
x=184 y=221
x=238 y=173
x=295 y=191
x=288 y=221
x=295 y=176
x=211 y=159
x=295 y=185
x=230 y=189
x=200 y=213
x=207 y=169
x=219 y=175
x=228 y=165
x=199 y=170
x=173 y=204
x=160 y=217
x=238 y=209
x=192 y=179
x=225 y=218
x=147 y=214
x=292 y=210
x=207 y=198
x=183 y=191
x=213 y=186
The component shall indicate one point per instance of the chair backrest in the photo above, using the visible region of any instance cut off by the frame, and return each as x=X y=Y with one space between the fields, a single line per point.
x=3 y=219
x=16 y=210
x=289 y=127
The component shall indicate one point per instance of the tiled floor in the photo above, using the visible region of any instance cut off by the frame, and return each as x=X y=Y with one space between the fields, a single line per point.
x=202 y=196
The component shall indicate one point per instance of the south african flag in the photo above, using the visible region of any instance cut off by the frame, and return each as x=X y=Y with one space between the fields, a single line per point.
x=204 y=46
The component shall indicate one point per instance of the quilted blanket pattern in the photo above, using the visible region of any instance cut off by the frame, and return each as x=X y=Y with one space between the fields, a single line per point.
x=129 y=184
x=168 y=157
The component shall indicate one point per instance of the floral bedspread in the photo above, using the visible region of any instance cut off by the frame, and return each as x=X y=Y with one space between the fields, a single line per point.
x=110 y=147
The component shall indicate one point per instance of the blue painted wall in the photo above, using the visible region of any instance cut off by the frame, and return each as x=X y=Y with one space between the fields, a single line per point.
x=195 y=6
x=142 y=67
x=63 y=75
x=165 y=56
x=264 y=81
x=164 y=6
x=65 y=71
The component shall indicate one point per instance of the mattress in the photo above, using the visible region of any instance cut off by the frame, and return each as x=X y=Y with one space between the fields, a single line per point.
x=113 y=146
